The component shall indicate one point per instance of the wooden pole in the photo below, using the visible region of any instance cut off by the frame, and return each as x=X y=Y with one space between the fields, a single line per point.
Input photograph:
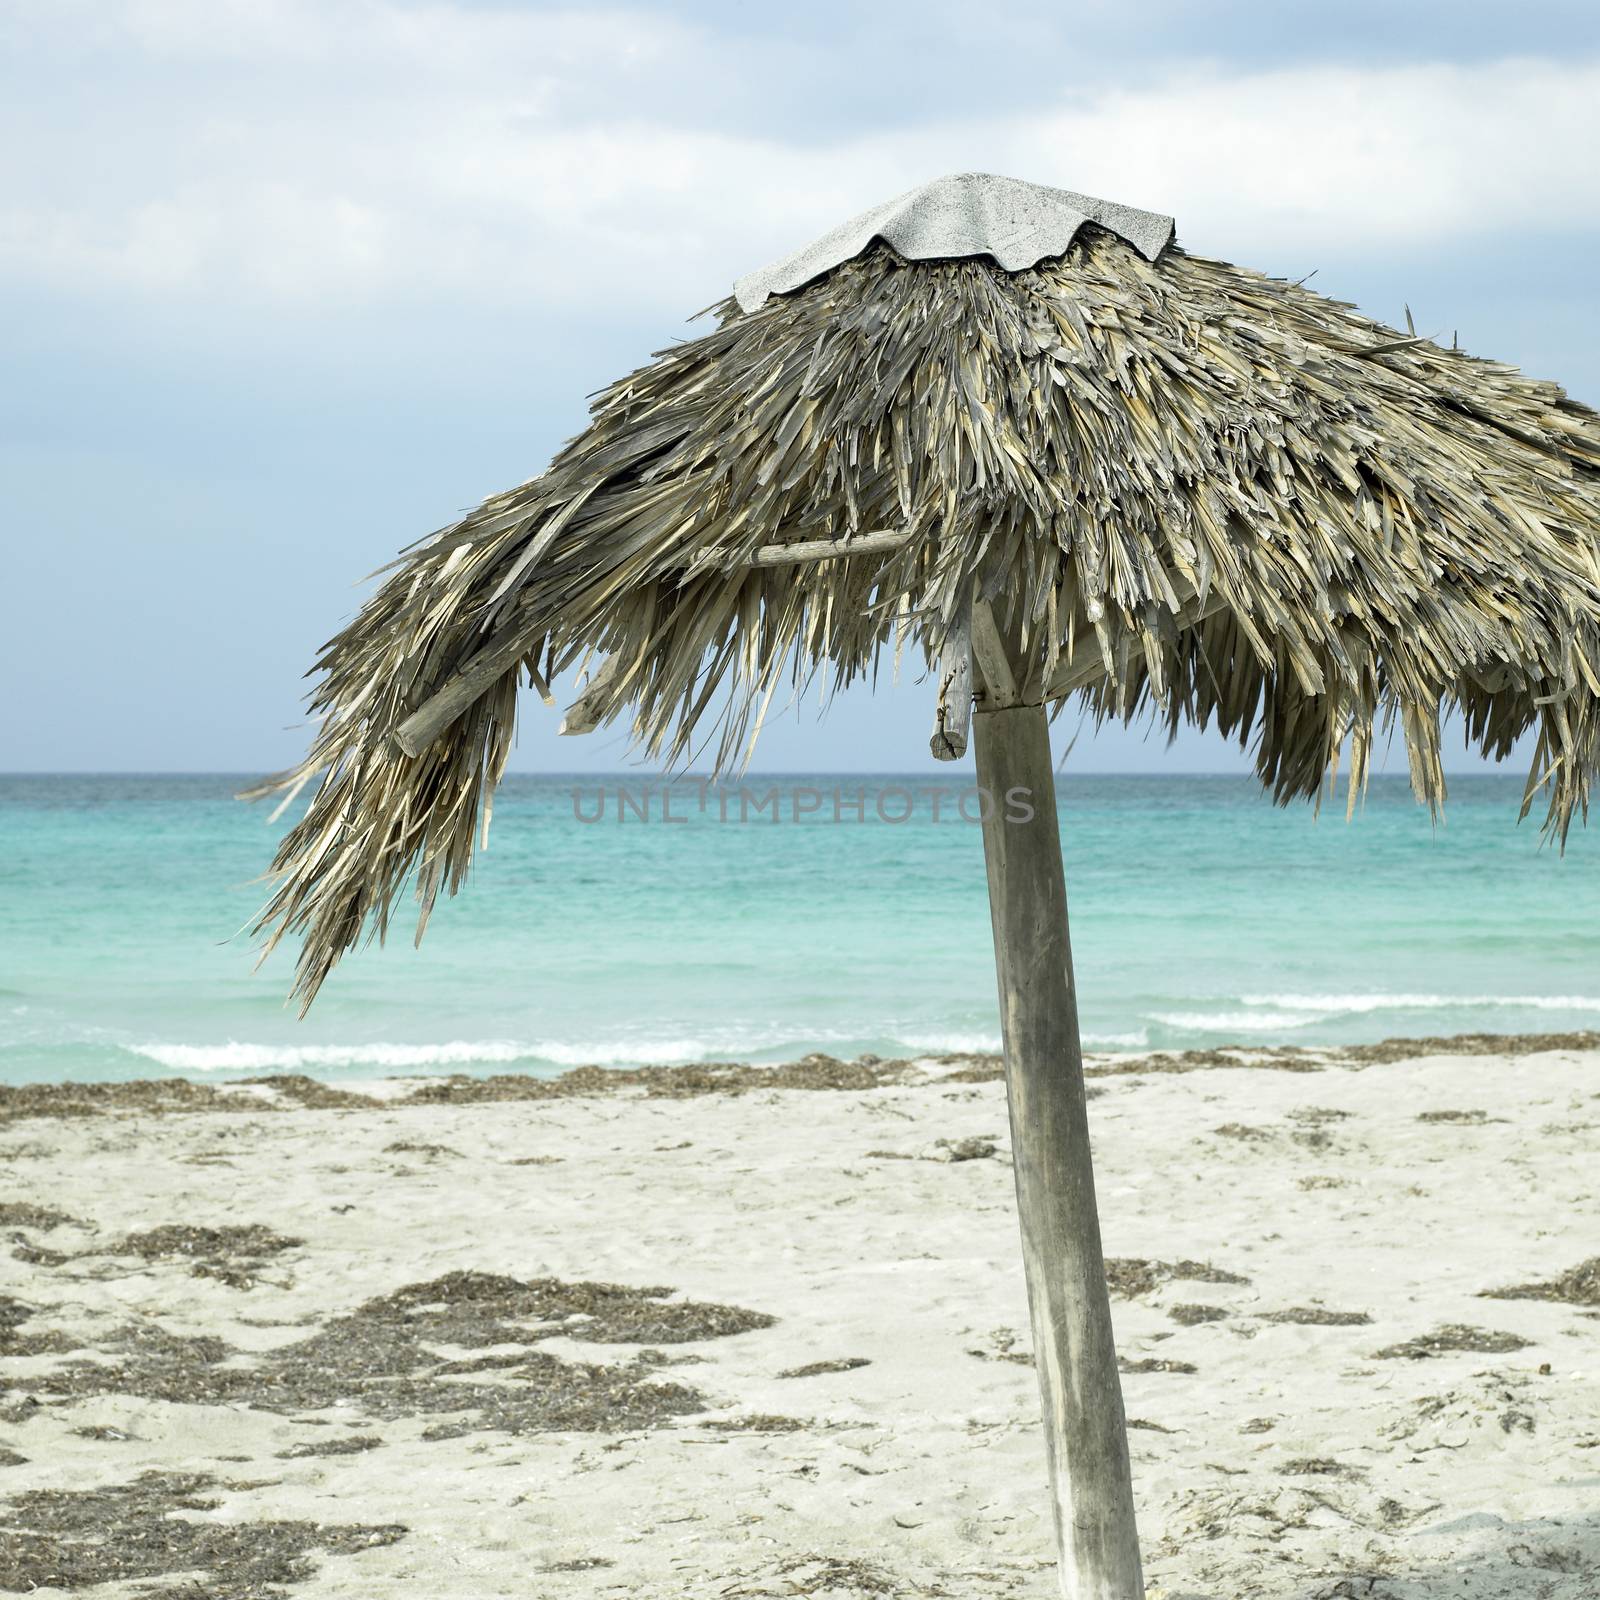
x=1084 y=1428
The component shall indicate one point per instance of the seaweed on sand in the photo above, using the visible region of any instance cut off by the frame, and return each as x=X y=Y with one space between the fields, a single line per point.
x=384 y=1359
x=76 y=1538
x=233 y=1255
x=1455 y=1337
x=1131 y=1276
x=1580 y=1286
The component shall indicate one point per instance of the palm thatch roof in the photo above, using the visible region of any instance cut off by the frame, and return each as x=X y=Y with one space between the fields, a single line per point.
x=1185 y=488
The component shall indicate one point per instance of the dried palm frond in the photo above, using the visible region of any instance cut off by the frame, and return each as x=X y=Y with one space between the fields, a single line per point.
x=1251 y=505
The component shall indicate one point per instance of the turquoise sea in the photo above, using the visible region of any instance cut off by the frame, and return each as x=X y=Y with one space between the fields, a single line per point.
x=1201 y=914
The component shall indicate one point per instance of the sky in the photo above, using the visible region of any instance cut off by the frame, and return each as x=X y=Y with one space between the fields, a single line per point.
x=291 y=283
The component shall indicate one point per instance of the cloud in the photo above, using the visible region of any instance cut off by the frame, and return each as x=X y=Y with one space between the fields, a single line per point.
x=376 y=152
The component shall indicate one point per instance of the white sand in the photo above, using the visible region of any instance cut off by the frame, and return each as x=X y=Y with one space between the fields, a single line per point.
x=1293 y=1463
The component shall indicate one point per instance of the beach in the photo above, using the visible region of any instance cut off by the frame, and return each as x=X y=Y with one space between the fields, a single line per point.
x=750 y=1331
x=1010 y=1006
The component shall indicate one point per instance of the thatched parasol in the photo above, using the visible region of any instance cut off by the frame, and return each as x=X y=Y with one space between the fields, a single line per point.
x=1064 y=457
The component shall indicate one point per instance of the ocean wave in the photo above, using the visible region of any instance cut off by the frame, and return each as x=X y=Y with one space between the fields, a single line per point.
x=1279 y=1014
x=238 y=1056
x=652 y=1052
x=1360 y=1004
x=952 y=1043
x=1238 y=1021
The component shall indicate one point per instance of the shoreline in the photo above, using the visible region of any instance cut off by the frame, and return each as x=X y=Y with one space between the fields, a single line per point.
x=706 y=1330
x=389 y=1091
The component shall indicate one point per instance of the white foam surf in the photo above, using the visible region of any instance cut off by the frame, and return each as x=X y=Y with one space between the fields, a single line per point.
x=1236 y=1021
x=1360 y=1004
x=1283 y=1013
x=239 y=1056
x=951 y=1044
x=236 y=1055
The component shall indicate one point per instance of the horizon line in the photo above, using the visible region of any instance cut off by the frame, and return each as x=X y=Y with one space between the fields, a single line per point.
x=254 y=775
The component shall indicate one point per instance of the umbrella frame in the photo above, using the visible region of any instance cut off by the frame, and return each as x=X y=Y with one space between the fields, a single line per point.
x=1384 y=527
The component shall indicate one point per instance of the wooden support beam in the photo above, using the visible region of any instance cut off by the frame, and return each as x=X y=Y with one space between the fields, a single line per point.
x=584 y=714
x=861 y=544
x=1084 y=666
x=997 y=684
x=1087 y=664
x=952 y=717
x=457 y=692
x=441 y=708
x=1084 y=1426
